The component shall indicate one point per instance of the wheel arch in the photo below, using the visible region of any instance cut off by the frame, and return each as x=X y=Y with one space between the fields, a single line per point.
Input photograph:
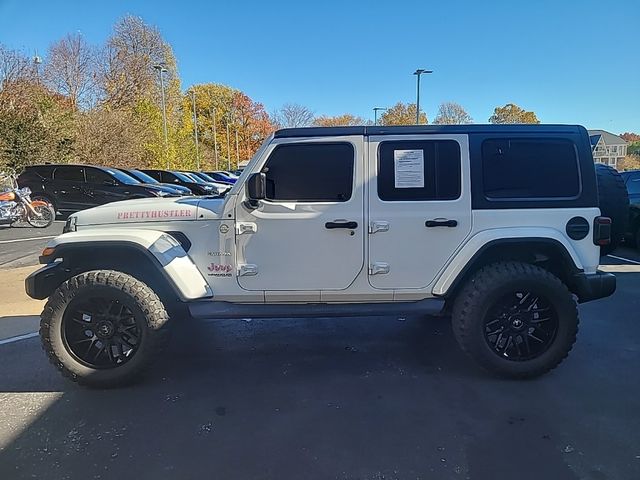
x=166 y=268
x=549 y=253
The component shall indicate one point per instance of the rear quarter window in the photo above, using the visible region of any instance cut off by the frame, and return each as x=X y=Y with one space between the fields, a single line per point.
x=530 y=168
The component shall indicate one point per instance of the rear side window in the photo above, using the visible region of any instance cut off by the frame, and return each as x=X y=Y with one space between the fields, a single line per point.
x=69 y=174
x=41 y=171
x=310 y=172
x=519 y=168
x=419 y=170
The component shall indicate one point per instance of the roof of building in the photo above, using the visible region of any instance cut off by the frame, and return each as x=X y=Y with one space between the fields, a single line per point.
x=608 y=137
x=418 y=129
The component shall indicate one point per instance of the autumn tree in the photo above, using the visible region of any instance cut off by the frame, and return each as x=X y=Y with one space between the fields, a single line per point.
x=346 y=119
x=451 y=113
x=630 y=162
x=630 y=137
x=402 y=114
x=223 y=111
x=70 y=70
x=512 y=113
x=292 y=115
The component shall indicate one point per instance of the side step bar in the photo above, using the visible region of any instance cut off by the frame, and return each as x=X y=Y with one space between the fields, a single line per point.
x=210 y=309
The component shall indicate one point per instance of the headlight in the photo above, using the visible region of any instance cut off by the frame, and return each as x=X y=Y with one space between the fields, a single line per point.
x=70 y=224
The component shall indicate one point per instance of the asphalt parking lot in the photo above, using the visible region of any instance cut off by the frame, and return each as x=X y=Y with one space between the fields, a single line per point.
x=367 y=398
x=20 y=245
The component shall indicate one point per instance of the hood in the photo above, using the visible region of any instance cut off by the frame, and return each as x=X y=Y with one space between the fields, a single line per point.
x=158 y=187
x=144 y=210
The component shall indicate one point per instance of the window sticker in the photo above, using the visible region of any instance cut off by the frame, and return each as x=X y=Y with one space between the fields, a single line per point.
x=409 y=168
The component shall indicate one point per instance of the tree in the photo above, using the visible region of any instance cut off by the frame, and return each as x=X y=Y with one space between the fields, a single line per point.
x=402 y=114
x=451 y=113
x=14 y=66
x=512 y=113
x=346 y=119
x=292 y=115
x=112 y=138
x=70 y=70
x=630 y=162
x=630 y=137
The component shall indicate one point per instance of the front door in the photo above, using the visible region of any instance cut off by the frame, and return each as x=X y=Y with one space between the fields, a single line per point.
x=308 y=235
x=419 y=207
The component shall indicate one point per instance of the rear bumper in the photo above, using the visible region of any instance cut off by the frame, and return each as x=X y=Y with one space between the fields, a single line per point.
x=42 y=283
x=592 y=286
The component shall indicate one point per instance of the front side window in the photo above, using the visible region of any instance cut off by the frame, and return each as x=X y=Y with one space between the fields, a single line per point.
x=98 y=176
x=419 y=170
x=310 y=172
x=522 y=168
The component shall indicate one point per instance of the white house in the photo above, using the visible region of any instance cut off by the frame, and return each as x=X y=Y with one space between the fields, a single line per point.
x=607 y=148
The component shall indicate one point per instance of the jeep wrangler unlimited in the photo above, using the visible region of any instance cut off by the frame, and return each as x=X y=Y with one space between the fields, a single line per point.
x=498 y=225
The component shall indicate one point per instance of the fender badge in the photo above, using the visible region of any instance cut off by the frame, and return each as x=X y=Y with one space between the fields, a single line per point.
x=224 y=228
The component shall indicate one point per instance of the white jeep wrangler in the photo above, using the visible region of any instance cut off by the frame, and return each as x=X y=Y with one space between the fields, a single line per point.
x=497 y=225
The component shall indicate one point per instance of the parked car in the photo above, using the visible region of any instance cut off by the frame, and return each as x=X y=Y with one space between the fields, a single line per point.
x=632 y=182
x=222 y=177
x=178 y=178
x=499 y=226
x=208 y=178
x=70 y=188
x=144 y=178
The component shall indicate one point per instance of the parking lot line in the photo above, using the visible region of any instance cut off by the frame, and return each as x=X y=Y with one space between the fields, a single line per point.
x=624 y=259
x=28 y=239
x=17 y=338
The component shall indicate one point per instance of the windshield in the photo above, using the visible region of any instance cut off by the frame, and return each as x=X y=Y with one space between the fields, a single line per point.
x=143 y=177
x=186 y=178
x=204 y=176
x=122 y=177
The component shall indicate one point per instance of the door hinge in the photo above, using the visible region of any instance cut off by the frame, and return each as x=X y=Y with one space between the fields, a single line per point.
x=247 y=270
x=378 y=226
x=378 y=268
x=246 y=227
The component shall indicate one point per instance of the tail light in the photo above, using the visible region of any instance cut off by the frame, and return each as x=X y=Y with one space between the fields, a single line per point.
x=602 y=231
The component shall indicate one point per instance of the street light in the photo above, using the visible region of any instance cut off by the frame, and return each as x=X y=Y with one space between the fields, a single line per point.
x=195 y=127
x=417 y=73
x=375 y=114
x=161 y=69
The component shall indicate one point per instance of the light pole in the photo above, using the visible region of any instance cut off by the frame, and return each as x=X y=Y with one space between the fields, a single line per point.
x=417 y=73
x=228 y=148
x=161 y=69
x=215 y=137
x=195 y=127
x=375 y=114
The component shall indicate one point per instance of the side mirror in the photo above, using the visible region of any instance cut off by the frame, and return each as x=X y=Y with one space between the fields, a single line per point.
x=256 y=188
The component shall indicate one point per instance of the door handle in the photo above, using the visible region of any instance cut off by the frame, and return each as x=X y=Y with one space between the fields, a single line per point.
x=441 y=222
x=348 y=225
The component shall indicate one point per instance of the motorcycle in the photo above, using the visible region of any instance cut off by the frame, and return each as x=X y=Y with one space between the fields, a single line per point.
x=16 y=205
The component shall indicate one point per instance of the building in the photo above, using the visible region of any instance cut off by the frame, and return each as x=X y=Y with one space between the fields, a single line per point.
x=607 y=148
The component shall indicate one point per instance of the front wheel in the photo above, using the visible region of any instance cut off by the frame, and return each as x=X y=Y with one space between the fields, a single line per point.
x=43 y=217
x=515 y=319
x=102 y=328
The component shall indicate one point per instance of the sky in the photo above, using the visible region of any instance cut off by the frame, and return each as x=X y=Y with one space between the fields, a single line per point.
x=569 y=61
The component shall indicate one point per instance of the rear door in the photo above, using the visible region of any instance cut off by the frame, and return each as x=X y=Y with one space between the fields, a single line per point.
x=419 y=207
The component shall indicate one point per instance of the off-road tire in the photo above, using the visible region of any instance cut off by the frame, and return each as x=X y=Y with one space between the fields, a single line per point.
x=153 y=327
x=613 y=201
x=480 y=294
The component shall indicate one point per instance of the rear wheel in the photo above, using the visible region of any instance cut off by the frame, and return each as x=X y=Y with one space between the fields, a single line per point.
x=515 y=319
x=43 y=217
x=103 y=328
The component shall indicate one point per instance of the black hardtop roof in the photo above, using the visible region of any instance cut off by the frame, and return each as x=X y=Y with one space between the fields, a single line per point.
x=418 y=129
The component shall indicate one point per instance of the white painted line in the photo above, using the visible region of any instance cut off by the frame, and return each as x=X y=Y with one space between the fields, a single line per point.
x=28 y=239
x=18 y=338
x=624 y=259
